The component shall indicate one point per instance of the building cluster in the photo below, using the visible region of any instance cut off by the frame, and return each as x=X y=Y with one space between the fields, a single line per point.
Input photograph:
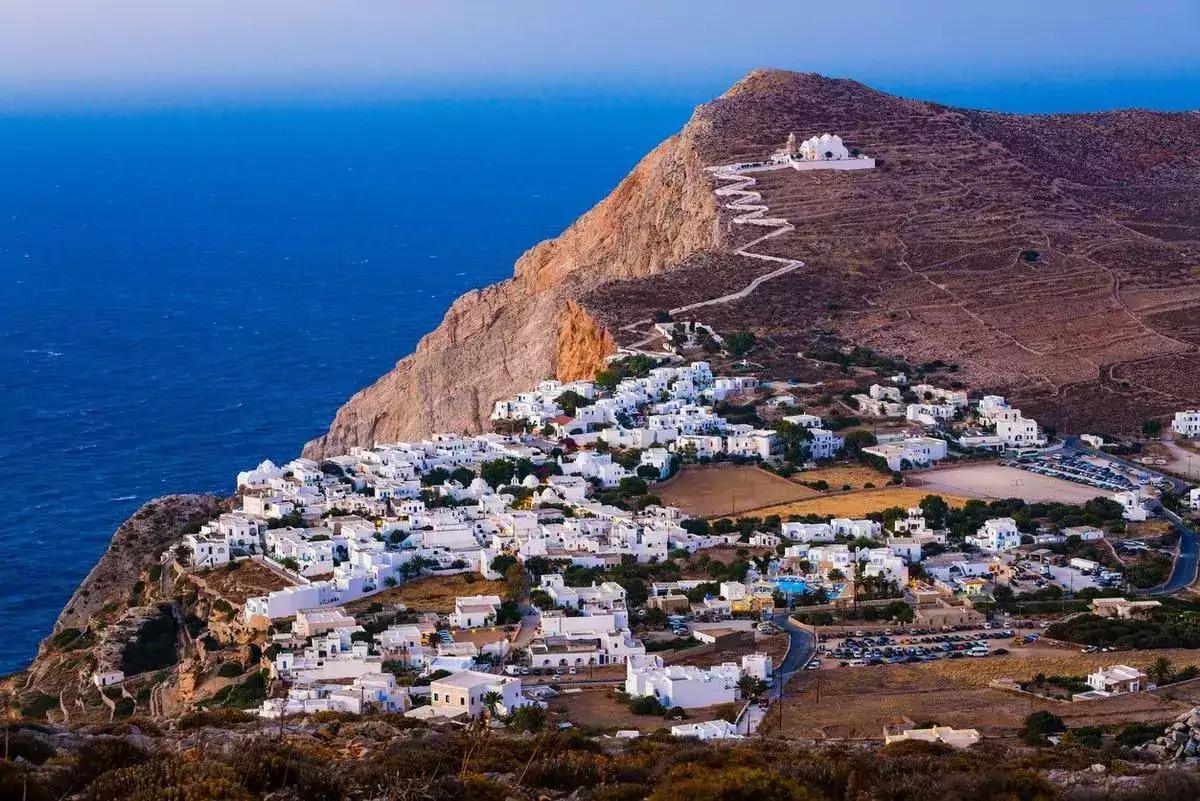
x=670 y=410
x=352 y=525
x=947 y=416
x=823 y=151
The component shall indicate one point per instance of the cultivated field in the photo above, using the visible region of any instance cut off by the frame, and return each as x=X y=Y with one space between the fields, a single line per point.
x=433 y=594
x=856 y=504
x=997 y=481
x=728 y=490
x=1022 y=664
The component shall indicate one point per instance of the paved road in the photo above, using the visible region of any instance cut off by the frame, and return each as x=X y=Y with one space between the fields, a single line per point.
x=801 y=647
x=1187 y=558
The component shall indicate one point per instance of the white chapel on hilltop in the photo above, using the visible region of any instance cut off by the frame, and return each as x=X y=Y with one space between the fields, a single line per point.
x=826 y=151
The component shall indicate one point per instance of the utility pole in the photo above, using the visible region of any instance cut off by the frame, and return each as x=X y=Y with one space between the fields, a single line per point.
x=780 y=700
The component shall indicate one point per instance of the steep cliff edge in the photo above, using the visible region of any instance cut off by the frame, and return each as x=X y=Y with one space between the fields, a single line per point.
x=503 y=339
x=135 y=546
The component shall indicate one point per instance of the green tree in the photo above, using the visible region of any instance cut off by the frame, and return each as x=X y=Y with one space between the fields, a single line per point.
x=497 y=472
x=739 y=343
x=751 y=688
x=570 y=401
x=463 y=475
x=936 y=510
x=437 y=476
x=515 y=580
x=526 y=719
x=857 y=440
x=502 y=562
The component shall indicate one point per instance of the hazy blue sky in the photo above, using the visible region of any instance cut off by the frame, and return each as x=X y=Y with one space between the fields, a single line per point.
x=86 y=52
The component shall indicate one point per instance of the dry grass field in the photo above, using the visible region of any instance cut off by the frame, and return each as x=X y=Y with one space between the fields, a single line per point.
x=600 y=709
x=433 y=594
x=1024 y=663
x=856 y=475
x=856 y=703
x=856 y=504
x=719 y=491
x=248 y=579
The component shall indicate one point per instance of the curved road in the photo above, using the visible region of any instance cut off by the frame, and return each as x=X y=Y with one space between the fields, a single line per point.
x=1187 y=557
x=801 y=646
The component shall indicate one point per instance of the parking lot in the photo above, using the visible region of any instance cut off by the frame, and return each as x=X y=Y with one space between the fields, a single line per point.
x=1091 y=470
x=912 y=646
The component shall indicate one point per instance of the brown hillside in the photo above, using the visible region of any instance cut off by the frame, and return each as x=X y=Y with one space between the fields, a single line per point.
x=920 y=258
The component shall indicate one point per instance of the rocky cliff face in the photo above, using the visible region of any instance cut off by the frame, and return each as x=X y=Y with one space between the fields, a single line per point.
x=505 y=338
x=135 y=546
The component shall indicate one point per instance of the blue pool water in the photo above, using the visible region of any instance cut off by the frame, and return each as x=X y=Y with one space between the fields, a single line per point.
x=186 y=293
x=792 y=586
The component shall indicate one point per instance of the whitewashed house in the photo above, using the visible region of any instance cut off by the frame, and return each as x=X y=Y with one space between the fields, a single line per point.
x=681 y=685
x=463 y=693
x=474 y=611
x=910 y=452
x=1187 y=423
x=997 y=535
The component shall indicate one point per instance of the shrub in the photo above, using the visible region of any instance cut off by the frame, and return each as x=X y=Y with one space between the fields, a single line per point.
x=1136 y=734
x=230 y=669
x=37 y=705
x=212 y=718
x=1040 y=724
x=1086 y=736
x=526 y=719
x=65 y=637
x=646 y=705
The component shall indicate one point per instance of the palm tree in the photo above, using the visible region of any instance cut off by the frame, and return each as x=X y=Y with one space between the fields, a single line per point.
x=751 y=687
x=491 y=699
x=1161 y=670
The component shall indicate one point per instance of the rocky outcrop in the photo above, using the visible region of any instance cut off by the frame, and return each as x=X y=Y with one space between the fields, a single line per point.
x=1180 y=741
x=505 y=338
x=135 y=546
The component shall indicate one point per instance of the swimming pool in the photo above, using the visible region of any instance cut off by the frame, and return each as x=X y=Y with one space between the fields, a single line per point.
x=791 y=585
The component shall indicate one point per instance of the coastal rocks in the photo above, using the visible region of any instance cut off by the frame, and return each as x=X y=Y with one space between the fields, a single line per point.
x=1180 y=741
x=503 y=339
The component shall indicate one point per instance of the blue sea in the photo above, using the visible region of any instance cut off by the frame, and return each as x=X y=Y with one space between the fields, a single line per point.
x=184 y=293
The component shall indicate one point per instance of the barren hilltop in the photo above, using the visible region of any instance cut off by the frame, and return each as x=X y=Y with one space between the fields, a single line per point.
x=1053 y=258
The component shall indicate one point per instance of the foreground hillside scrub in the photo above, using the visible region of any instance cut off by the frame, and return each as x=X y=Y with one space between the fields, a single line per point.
x=386 y=757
